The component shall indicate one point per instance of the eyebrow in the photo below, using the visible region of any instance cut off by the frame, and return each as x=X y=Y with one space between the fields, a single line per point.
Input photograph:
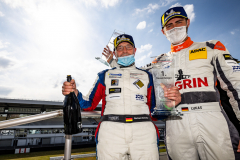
x=179 y=20
x=175 y=22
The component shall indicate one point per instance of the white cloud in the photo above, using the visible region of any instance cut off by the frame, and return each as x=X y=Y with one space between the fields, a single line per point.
x=144 y=48
x=149 y=9
x=6 y=62
x=149 y=54
x=189 y=8
x=141 y=25
x=109 y=3
x=16 y=4
x=234 y=31
x=150 y=31
x=53 y=43
x=90 y=2
x=31 y=5
x=3 y=44
x=142 y=58
x=176 y=5
x=27 y=22
x=1 y=14
x=104 y=3
x=164 y=3
x=5 y=90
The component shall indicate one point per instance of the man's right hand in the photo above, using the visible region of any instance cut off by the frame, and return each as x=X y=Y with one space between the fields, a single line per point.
x=172 y=94
x=108 y=54
x=69 y=87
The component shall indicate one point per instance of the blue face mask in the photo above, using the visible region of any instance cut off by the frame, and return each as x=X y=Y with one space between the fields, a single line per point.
x=126 y=61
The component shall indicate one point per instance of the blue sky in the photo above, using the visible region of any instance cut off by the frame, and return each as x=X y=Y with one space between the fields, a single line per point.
x=42 y=41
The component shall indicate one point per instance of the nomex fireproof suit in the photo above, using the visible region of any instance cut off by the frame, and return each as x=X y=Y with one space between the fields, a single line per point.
x=204 y=131
x=124 y=91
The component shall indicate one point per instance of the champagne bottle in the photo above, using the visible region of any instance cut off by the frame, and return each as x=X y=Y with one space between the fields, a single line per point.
x=72 y=113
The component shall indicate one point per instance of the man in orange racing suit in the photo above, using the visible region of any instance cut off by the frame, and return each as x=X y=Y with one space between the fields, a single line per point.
x=204 y=132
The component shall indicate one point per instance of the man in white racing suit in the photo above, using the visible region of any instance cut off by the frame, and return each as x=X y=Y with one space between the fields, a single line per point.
x=204 y=131
x=128 y=99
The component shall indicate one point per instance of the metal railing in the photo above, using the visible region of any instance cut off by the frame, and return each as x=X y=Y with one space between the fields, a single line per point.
x=30 y=119
x=43 y=116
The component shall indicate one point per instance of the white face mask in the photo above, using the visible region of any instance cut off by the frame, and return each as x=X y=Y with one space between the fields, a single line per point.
x=177 y=34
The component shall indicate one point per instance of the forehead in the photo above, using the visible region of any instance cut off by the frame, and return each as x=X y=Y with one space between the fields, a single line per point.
x=124 y=43
x=173 y=20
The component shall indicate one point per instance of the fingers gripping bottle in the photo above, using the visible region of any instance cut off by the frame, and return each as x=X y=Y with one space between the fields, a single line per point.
x=72 y=113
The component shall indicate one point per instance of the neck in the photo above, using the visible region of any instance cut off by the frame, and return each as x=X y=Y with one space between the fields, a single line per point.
x=180 y=42
x=127 y=66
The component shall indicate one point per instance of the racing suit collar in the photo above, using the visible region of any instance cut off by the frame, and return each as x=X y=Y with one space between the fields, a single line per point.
x=133 y=64
x=186 y=44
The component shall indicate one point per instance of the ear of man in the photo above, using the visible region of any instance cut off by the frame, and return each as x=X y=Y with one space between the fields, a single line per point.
x=135 y=50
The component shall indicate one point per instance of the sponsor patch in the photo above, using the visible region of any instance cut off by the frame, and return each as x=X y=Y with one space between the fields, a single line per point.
x=181 y=76
x=227 y=57
x=139 y=84
x=200 y=53
x=114 y=96
x=139 y=97
x=135 y=75
x=114 y=82
x=114 y=90
x=236 y=68
x=111 y=75
x=113 y=118
x=171 y=13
